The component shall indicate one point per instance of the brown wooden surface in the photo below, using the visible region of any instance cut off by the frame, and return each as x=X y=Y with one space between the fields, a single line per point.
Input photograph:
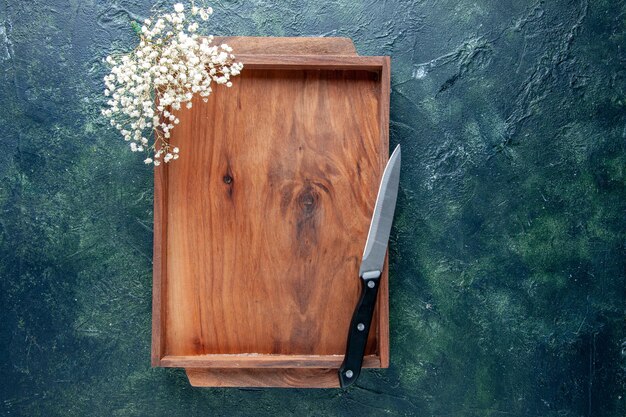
x=335 y=62
x=262 y=361
x=159 y=265
x=267 y=378
x=265 y=216
x=288 y=46
x=383 y=300
x=267 y=262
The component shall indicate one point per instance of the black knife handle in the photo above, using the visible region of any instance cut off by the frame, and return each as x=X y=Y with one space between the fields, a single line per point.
x=359 y=330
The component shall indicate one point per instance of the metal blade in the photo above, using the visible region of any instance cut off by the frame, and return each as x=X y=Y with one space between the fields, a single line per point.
x=380 y=227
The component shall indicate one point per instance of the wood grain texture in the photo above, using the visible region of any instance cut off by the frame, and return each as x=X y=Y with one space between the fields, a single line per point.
x=262 y=361
x=288 y=46
x=266 y=378
x=383 y=300
x=336 y=62
x=266 y=215
x=159 y=265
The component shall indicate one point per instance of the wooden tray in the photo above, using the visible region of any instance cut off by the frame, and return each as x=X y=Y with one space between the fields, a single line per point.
x=259 y=226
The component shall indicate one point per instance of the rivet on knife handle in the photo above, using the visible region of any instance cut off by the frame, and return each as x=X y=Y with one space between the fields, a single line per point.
x=370 y=270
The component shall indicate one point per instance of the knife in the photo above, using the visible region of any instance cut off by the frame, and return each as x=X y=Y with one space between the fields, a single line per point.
x=371 y=271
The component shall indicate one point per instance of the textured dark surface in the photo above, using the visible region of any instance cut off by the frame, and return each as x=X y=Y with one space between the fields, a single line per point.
x=507 y=255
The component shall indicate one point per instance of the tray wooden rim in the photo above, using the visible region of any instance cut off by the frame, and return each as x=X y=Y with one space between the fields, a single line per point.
x=263 y=377
x=380 y=64
x=338 y=62
x=254 y=360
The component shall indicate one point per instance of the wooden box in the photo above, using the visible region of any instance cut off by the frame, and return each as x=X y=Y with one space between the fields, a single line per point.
x=259 y=226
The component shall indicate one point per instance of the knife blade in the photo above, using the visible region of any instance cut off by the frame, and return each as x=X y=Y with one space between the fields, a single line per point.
x=370 y=270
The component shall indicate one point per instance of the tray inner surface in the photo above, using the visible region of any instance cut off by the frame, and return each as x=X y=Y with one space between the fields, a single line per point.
x=268 y=210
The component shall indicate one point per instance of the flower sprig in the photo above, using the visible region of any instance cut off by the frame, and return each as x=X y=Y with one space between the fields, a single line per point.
x=171 y=64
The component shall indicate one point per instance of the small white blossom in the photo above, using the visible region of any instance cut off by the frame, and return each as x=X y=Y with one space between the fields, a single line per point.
x=205 y=13
x=172 y=64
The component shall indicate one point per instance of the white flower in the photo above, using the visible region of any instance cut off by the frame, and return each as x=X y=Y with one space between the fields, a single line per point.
x=172 y=63
x=204 y=14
